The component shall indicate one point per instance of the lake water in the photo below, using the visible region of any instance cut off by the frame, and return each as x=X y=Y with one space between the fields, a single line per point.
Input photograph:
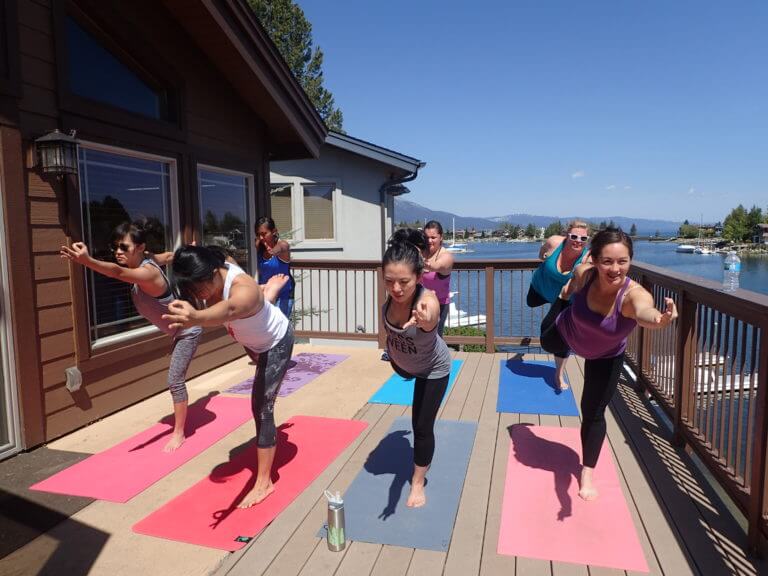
x=754 y=270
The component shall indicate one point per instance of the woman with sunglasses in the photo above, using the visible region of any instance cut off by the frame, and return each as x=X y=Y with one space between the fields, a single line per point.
x=236 y=301
x=560 y=255
x=151 y=293
x=605 y=306
x=273 y=257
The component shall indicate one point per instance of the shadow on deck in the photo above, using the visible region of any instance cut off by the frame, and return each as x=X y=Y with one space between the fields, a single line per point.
x=683 y=525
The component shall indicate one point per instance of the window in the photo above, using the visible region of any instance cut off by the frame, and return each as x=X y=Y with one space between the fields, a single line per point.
x=282 y=208
x=116 y=187
x=3 y=41
x=224 y=209
x=318 y=211
x=96 y=73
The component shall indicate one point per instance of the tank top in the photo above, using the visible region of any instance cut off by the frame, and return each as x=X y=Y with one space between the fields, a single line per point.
x=440 y=284
x=263 y=330
x=415 y=352
x=547 y=280
x=268 y=267
x=592 y=335
x=153 y=308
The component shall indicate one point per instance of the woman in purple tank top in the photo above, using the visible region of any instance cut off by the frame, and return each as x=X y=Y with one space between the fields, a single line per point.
x=605 y=306
x=438 y=265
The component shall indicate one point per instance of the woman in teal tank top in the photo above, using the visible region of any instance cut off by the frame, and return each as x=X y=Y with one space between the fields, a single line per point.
x=561 y=254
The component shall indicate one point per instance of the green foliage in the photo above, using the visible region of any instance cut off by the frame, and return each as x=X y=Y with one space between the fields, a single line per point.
x=291 y=32
x=554 y=229
x=466 y=331
x=736 y=226
x=688 y=231
x=633 y=230
x=531 y=231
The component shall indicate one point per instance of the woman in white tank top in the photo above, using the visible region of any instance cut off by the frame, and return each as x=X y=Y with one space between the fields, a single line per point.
x=236 y=301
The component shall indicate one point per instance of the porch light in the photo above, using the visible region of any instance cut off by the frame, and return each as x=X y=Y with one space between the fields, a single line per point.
x=57 y=153
x=397 y=190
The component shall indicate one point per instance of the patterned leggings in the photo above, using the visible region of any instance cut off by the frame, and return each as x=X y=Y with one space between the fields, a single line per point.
x=271 y=367
x=184 y=348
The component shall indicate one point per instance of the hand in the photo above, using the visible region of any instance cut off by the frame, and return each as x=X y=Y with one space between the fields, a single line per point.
x=420 y=315
x=181 y=314
x=77 y=253
x=670 y=313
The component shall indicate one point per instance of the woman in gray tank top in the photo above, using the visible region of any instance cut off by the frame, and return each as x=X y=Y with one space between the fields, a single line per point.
x=151 y=293
x=410 y=316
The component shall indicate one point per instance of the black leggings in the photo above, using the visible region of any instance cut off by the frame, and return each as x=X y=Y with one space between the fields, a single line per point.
x=271 y=367
x=427 y=396
x=601 y=376
x=443 y=316
x=533 y=299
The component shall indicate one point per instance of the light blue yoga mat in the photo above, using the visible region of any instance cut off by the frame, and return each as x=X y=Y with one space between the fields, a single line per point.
x=374 y=504
x=528 y=387
x=398 y=390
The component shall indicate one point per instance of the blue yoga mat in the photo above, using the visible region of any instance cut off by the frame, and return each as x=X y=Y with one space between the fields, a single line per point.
x=528 y=387
x=374 y=504
x=398 y=390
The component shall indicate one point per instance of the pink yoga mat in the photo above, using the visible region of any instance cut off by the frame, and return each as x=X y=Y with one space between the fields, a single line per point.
x=542 y=514
x=207 y=514
x=121 y=472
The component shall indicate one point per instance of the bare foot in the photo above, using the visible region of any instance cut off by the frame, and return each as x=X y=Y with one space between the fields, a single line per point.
x=176 y=440
x=562 y=384
x=257 y=495
x=278 y=281
x=587 y=490
x=417 y=498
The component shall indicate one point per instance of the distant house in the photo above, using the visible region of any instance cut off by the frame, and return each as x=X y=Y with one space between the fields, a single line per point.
x=761 y=234
x=340 y=206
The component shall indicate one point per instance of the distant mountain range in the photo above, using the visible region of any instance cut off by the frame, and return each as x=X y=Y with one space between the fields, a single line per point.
x=407 y=211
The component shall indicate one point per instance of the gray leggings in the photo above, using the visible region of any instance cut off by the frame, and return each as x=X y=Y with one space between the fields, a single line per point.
x=271 y=366
x=184 y=348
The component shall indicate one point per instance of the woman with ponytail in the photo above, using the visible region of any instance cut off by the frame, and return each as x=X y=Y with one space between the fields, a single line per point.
x=151 y=294
x=234 y=299
x=410 y=316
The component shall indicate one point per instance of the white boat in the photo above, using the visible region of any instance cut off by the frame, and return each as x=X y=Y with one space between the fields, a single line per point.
x=457 y=318
x=703 y=250
x=685 y=248
x=453 y=247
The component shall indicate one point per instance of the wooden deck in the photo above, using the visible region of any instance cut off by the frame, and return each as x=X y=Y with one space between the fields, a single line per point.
x=683 y=525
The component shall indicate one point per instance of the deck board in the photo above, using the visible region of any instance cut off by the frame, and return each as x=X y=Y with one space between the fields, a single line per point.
x=677 y=516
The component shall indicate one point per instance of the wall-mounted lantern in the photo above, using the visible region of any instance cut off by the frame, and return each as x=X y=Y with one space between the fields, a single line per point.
x=57 y=153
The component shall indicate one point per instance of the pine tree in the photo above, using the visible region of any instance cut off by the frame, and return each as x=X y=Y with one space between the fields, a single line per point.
x=291 y=32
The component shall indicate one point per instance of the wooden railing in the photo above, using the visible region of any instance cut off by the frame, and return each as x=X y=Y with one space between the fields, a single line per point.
x=709 y=373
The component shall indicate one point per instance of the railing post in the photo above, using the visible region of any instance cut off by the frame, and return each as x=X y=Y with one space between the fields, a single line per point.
x=490 y=305
x=644 y=344
x=381 y=297
x=684 y=369
x=758 y=486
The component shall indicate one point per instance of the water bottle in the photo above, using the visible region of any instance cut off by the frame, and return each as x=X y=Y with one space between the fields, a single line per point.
x=731 y=270
x=335 y=534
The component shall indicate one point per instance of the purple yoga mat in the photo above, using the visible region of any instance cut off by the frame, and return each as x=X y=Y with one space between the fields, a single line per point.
x=302 y=369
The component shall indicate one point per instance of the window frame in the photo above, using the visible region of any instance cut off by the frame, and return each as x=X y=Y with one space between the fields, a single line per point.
x=10 y=81
x=250 y=205
x=132 y=54
x=297 y=209
x=137 y=334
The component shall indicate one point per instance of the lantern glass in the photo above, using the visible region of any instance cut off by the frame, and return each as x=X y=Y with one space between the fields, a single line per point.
x=57 y=153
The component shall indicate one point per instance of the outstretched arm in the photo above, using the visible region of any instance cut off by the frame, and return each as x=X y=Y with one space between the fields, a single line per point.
x=245 y=299
x=143 y=276
x=426 y=313
x=443 y=264
x=640 y=306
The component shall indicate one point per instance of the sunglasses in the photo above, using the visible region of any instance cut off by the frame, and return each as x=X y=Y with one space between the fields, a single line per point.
x=577 y=237
x=122 y=246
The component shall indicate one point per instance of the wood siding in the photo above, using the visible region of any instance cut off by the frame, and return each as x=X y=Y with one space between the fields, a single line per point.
x=215 y=127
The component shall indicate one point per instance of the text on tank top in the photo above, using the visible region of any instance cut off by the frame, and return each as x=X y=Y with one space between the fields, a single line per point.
x=263 y=330
x=413 y=351
x=590 y=334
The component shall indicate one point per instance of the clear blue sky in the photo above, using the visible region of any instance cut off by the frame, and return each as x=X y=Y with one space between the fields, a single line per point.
x=653 y=108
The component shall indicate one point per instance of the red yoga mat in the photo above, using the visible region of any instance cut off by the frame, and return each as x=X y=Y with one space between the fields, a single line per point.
x=207 y=514
x=121 y=472
x=542 y=514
